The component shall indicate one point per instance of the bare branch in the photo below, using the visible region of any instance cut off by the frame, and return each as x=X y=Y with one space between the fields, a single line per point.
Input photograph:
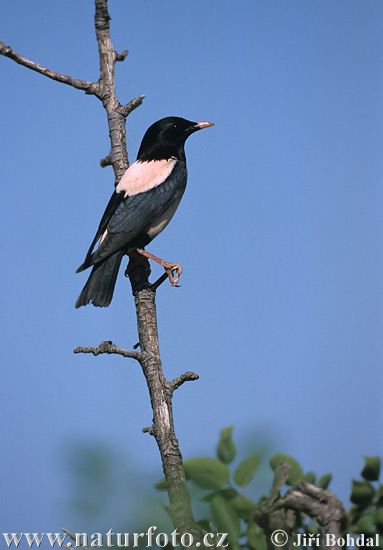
x=87 y=87
x=316 y=503
x=116 y=121
x=160 y=391
x=149 y=430
x=110 y=348
x=186 y=377
x=104 y=89
x=125 y=110
x=105 y=162
x=164 y=277
x=121 y=56
x=278 y=512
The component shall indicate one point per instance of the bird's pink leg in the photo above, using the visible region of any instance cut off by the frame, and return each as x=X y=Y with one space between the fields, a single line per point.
x=170 y=268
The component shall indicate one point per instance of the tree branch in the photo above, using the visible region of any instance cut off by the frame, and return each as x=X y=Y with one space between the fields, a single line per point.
x=110 y=348
x=125 y=110
x=104 y=89
x=121 y=56
x=118 y=156
x=186 y=377
x=160 y=390
x=87 y=87
x=164 y=277
x=279 y=513
x=317 y=503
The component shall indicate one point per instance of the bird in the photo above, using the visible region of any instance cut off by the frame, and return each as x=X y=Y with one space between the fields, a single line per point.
x=141 y=206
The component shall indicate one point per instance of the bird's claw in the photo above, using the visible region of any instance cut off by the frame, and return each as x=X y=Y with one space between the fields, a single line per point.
x=170 y=270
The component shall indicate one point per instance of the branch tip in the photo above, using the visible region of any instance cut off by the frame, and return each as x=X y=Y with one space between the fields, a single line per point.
x=4 y=49
x=107 y=161
x=149 y=430
x=121 y=56
x=186 y=377
x=88 y=87
x=125 y=110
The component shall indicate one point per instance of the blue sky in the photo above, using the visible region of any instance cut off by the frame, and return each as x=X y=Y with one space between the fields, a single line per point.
x=279 y=233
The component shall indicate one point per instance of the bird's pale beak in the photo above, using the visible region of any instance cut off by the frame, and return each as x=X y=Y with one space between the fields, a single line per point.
x=202 y=125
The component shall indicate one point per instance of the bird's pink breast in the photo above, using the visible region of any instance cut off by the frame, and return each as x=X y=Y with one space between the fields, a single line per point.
x=143 y=176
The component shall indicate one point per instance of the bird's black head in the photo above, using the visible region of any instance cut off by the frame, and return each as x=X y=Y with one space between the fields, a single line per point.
x=166 y=138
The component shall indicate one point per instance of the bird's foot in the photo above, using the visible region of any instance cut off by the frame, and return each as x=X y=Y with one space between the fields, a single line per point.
x=170 y=269
x=173 y=270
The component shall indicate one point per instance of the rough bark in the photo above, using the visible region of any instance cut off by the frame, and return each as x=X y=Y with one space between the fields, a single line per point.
x=161 y=392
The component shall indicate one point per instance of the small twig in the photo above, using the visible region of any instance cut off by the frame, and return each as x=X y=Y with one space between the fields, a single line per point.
x=105 y=162
x=121 y=56
x=149 y=430
x=186 y=377
x=88 y=87
x=160 y=280
x=125 y=110
x=110 y=348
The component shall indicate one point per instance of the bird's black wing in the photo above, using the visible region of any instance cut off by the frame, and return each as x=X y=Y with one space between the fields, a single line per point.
x=113 y=204
x=136 y=213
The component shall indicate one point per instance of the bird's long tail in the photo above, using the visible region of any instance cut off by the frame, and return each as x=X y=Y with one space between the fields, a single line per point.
x=99 y=287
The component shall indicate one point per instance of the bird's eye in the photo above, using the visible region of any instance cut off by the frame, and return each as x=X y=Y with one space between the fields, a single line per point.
x=175 y=126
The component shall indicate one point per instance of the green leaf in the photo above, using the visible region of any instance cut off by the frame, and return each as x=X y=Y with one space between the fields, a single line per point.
x=244 y=507
x=226 y=433
x=296 y=473
x=208 y=473
x=228 y=494
x=256 y=537
x=324 y=481
x=371 y=468
x=366 y=525
x=161 y=485
x=362 y=493
x=246 y=470
x=310 y=478
x=226 y=518
x=226 y=449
